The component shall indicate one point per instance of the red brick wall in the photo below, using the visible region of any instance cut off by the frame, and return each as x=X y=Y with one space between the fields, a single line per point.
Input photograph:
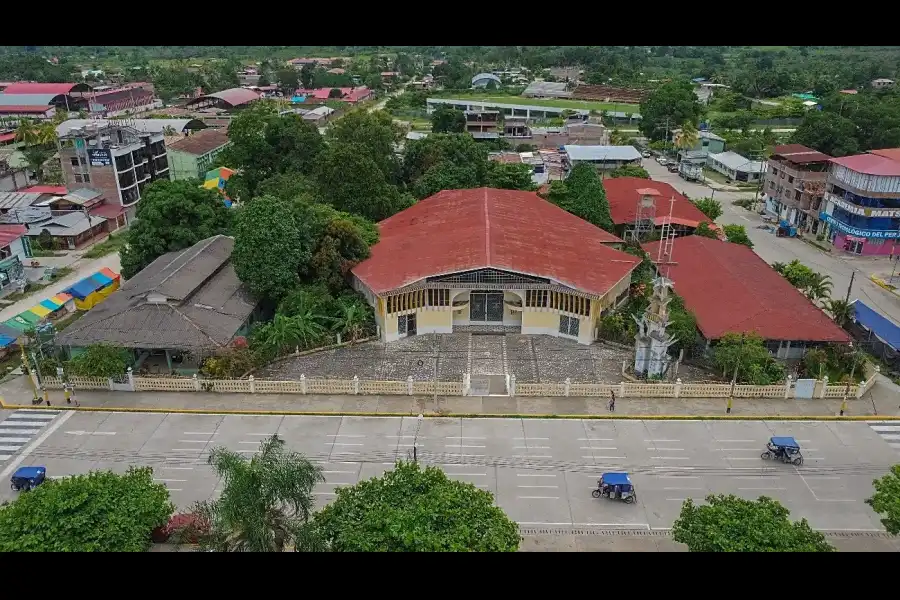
x=103 y=179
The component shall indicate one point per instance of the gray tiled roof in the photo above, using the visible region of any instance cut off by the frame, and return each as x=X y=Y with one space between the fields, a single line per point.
x=205 y=304
x=602 y=153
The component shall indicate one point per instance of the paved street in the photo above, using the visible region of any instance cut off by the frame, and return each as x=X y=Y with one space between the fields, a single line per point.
x=838 y=265
x=540 y=471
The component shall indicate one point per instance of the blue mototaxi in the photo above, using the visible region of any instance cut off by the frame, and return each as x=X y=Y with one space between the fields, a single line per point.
x=785 y=449
x=27 y=478
x=615 y=486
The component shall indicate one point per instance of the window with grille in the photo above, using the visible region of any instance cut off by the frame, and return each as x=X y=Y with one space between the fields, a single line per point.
x=568 y=325
x=438 y=297
x=536 y=298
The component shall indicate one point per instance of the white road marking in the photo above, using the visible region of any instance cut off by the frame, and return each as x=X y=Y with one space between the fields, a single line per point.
x=838 y=500
x=749 y=489
x=203 y=442
x=674 y=468
x=38 y=410
x=460 y=446
x=538 y=497
x=667 y=449
x=404 y=436
x=535 y=475
x=324 y=494
x=678 y=477
x=548 y=487
x=605 y=457
x=457 y=437
x=670 y=458
x=193 y=450
x=885 y=428
x=35 y=415
x=472 y=455
x=170 y=480
x=260 y=434
x=175 y=489
x=8 y=423
x=91 y=432
x=331 y=472
x=249 y=451
x=600 y=448
x=682 y=499
x=759 y=478
x=337 y=444
x=198 y=433
x=822 y=477
x=34 y=445
x=655 y=441
x=594 y=439
x=536 y=438
x=531 y=456
x=465 y=474
x=177 y=468
x=10 y=448
x=341 y=452
x=22 y=431
x=350 y=435
x=15 y=440
x=535 y=448
x=408 y=445
x=742 y=458
x=737 y=450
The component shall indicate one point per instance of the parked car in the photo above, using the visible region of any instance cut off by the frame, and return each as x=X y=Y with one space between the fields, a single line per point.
x=645 y=154
x=673 y=168
x=662 y=160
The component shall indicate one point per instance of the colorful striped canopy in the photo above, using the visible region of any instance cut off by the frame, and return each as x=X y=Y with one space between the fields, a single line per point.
x=40 y=311
x=5 y=341
x=28 y=318
x=109 y=273
x=17 y=324
x=61 y=298
x=102 y=279
x=50 y=305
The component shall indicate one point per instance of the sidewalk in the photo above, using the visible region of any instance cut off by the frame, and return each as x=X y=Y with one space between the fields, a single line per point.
x=881 y=397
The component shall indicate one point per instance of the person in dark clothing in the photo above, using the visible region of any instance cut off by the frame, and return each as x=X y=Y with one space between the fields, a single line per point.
x=612 y=402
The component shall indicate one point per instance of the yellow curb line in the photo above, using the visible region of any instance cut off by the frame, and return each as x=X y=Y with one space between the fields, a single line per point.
x=198 y=411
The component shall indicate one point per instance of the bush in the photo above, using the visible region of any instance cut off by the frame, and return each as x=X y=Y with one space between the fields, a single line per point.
x=98 y=512
x=100 y=360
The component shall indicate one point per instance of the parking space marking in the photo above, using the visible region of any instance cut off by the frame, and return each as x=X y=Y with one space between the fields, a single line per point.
x=198 y=433
x=670 y=458
x=674 y=468
x=535 y=448
x=664 y=449
x=459 y=446
x=170 y=480
x=543 y=439
x=658 y=441
x=349 y=435
x=538 y=497
x=546 y=487
x=535 y=475
x=529 y=456
x=771 y=489
x=5 y=456
x=595 y=439
x=598 y=448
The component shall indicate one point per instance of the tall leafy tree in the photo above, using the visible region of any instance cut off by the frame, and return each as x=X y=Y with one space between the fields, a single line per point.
x=458 y=149
x=372 y=134
x=827 y=132
x=509 y=176
x=737 y=234
x=446 y=119
x=265 y=504
x=272 y=246
x=350 y=180
x=445 y=176
x=171 y=216
x=340 y=248
x=709 y=207
x=671 y=105
x=288 y=80
x=410 y=509
x=629 y=171
x=886 y=500
x=732 y=524
x=582 y=194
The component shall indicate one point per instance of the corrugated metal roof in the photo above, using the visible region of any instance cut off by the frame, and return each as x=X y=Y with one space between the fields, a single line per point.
x=142 y=125
x=201 y=142
x=602 y=153
x=487 y=104
x=26 y=99
x=800 y=154
x=233 y=96
x=54 y=89
x=736 y=162
x=870 y=164
x=10 y=200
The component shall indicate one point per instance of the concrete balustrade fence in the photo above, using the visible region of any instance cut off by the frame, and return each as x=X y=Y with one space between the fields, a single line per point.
x=315 y=385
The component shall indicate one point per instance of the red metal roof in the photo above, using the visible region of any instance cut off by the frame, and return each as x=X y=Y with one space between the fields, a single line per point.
x=730 y=289
x=107 y=211
x=462 y=230
x=348 y=94
x=46 y=189
x=623 y=194
x=870 y=164
x=7 y=137
x=21 y=109
x=891 y=153
x=800 y=154
x=40 y=88
x=10 y=233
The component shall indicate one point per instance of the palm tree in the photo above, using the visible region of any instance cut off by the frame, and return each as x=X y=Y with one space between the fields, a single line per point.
x=265 y=505
x=687 y=138
x=284 y=333
x=45 y=134
x=352 y=319
x=841 y=310
x=819 y=287
x=35 y=157
x=26 y=132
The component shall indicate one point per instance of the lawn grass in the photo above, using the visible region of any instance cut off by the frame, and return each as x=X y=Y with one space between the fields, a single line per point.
x=113 y=243
x=34 y=287
x=549 y=102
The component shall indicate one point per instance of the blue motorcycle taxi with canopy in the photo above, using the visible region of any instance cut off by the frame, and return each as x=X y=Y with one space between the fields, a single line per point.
x=27 y=478
x=785 y=449
x=615 y=486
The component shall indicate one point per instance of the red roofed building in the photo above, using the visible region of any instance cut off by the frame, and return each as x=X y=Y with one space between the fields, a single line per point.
x=730 y=289
x=795 y=185
x=624 y=195
x=56 y=89
x=495 y=260
x=352 y=95
x=862 y=203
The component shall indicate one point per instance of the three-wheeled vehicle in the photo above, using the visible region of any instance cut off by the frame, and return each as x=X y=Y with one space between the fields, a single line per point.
x=785 y=449
x=615 y=486
x=27 y=478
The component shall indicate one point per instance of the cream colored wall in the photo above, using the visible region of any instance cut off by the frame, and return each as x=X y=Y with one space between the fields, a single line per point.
x=533 y=319
x=434 y=321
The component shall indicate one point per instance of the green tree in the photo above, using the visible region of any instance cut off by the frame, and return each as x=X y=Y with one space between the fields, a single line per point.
x=819 y=287
x=288 y=186
x=670 y=105
x=282 y=334
x=272 y=246
x=840 y=310
x=373 y=135
x=307 y=76
x=704 y=230
x=458 y=149
x=886 y=500
x=35 y=157
x=351 y=181
x=98 y=512
x=444 y=176
x=687 y=138
x=827 y=132
x=510 y=176
x=709 y=207
x=413 y=510
x=629 y=171
x=732 y=524
x=100 y=360
x=446 y=119
x=352 y=320
x=171 y=216
x=582 y=194
x=340 y=248
x=737 y=234
x=265 y=504
x=288 y=80
x=746 y=358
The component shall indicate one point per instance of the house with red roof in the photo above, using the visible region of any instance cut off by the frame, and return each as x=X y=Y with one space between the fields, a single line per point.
x=730 y=289
x=861 y=206
x=492 y=260
x=631 y=198
x=351 y=95
x=40 y=100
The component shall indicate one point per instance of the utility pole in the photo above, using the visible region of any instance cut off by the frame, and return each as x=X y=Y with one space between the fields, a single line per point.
x=850 y=287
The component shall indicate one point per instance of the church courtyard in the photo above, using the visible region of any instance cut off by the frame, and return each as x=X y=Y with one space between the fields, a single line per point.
x=531 y=358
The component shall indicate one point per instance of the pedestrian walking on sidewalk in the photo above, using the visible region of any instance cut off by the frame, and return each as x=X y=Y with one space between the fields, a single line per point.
x=612 y=402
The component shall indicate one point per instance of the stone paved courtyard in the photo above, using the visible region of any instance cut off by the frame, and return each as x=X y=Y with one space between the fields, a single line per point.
x=531 y=358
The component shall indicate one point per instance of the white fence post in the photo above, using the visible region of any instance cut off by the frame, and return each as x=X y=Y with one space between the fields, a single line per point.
x=130 y=379
x=302 y=384
x=467 y=383
x=356 y=384
x=252 y=385
x=624 y=367
x=109 y=382
x=409 y=386
x=678 y=388
x=512 y=385
x=824 y=386
x=787 y=387
x=196 y=383
x=621 y=389
x=568 y=385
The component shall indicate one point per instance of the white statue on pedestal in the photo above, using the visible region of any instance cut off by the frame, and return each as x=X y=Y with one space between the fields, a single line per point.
x=651 y=357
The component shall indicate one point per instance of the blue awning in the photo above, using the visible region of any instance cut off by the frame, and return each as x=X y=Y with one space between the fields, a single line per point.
x=5 y=341
x=84 y=288
x=886 y=330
